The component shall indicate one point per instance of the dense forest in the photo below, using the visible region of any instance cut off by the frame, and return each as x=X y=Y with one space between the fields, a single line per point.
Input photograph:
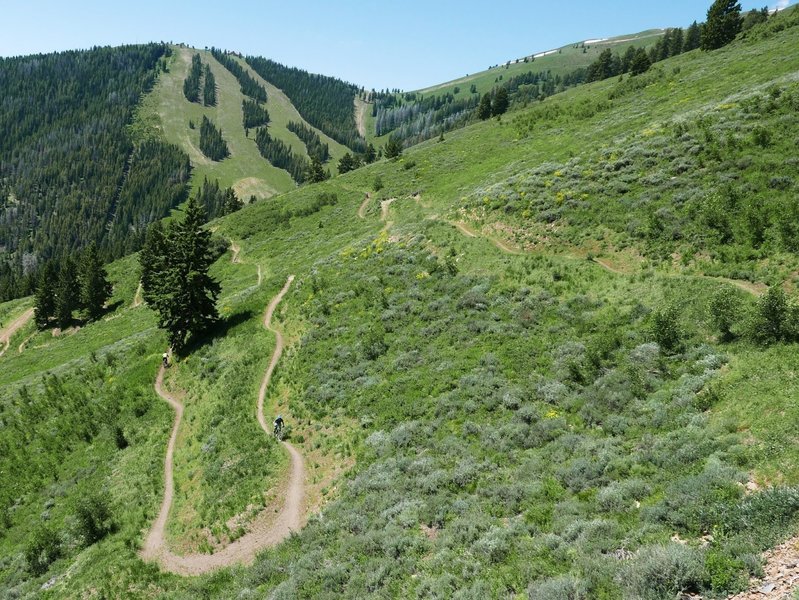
x=212 y=144
x=281 y=156
x=316 y=148
x=249 y=87
x=254 y=114
x=70 y=174
x=325 y=102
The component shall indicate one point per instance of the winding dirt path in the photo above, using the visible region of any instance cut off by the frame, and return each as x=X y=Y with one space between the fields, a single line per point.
x=364 y=205
x=15 y=325
x=268 y=529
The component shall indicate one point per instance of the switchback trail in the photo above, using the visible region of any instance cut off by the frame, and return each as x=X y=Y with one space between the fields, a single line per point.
x=746 y=286
x=268 y=529
x=15 y=325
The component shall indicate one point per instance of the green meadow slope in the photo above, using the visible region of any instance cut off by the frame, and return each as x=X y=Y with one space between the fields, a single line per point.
x=559 y=61
x=481 y=372
x=166 y=112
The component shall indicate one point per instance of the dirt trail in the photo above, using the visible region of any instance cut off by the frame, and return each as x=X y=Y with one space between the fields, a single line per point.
x=24 y=343
x=15 y=325
x=268 y=529
x=464 y=229
x=747 y=286
x=364 y=205
x=608 y=267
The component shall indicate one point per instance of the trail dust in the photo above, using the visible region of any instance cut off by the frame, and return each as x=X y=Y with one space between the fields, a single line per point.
x=384 y=206
x=268 y=529
x=137 y=299
x=235 y=249
x=15 y=325
x=364 y=205
x=360 y=115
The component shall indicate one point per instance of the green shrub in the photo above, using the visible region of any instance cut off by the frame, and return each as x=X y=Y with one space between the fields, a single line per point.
x=726 y=574
x=663 y=571
x=725 y=312
x=94 y=520
x=565 y=587
x=666 y=328
x=42 y=550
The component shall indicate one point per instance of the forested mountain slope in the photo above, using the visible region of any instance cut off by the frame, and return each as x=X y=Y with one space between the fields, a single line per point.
x=538 y=359
x=70 y=173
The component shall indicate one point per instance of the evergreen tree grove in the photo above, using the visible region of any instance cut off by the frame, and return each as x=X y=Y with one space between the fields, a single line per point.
x=95 y=290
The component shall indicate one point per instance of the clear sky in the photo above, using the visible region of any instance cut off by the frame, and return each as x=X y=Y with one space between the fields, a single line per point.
x=409 y=44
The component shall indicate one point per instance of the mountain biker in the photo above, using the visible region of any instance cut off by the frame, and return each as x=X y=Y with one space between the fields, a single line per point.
x=278 y=424
x=165 y=359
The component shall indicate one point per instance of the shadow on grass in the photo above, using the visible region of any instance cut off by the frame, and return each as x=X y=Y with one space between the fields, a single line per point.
x=218 y=330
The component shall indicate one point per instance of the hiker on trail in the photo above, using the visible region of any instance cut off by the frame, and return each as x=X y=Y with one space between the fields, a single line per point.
x=278 y=424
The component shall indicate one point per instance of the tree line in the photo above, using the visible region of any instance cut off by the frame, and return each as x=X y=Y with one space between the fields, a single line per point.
x=212 y=144
x=191 y=85
x=215 y=201
x=254 y=115
x=69 y=286
x=280 y=155
x=249 y=86
x=71 y=172
x=324 y=102
x=313 y=143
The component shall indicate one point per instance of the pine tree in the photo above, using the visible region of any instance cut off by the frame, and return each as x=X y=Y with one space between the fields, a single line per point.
x=316 y=173
x=177 y=284
x=723 y=24
x=484 y=109
x=370 y=155
x=641 y=62
x=501 y=102
x=677 y=41
x=693 y=37
x=231 y=202
x=393 y=147
x=153 y=262
x=346 y=164
x=95 y=289
x=44 y=298
x=627 y=59
x=67 y=293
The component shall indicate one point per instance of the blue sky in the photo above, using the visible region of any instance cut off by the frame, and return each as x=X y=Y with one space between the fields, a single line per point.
x=408 y=44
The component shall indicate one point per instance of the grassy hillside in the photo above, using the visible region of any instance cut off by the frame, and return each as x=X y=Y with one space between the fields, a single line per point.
x=166 y=112
x=560 y=61
x=484 y=412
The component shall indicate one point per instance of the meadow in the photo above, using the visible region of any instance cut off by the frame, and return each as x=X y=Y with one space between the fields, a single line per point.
x=486 y=415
